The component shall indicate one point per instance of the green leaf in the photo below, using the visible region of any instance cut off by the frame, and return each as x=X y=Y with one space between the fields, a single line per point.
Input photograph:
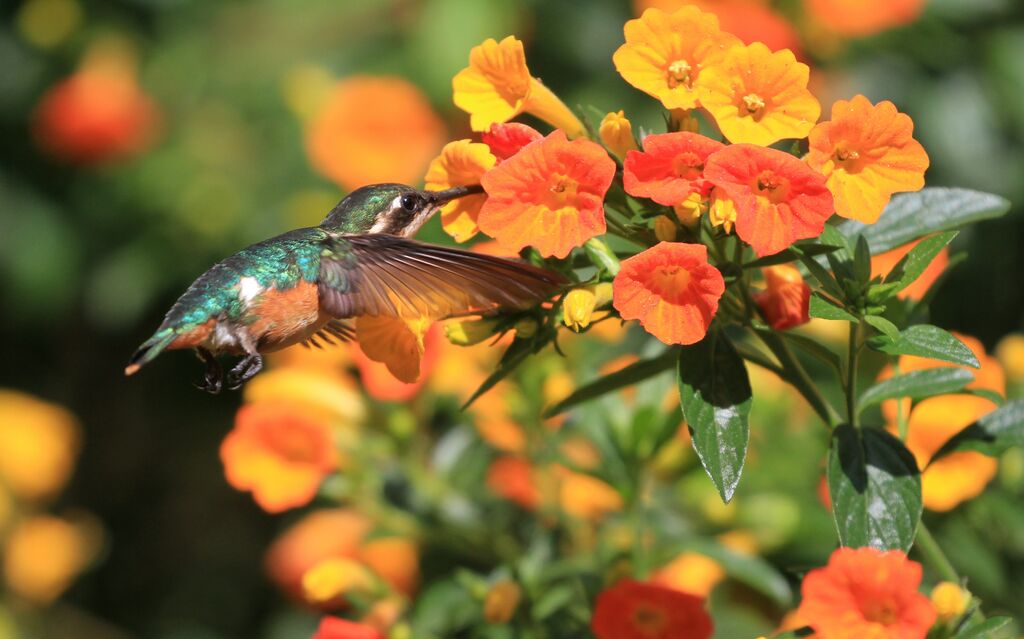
x=813 y=347
x=911 y=265
x=827 y=309
x=875 y=487
x=553 y=600
x=820 y=273
x=994 y=628
x=715 y=395
x=862 y=261
x=883 y=325
x=913 y=215
x=992 y=434
x=924 y=340
x=632 y=374
x=786 y=256
x=917 y=385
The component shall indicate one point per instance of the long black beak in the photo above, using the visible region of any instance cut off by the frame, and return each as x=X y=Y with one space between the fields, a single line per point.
x=440 y=197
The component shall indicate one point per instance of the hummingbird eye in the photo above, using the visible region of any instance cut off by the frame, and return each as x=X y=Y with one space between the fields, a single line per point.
x=410 y=202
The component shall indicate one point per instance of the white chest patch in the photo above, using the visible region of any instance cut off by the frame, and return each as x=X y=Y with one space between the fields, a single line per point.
x=248 y=289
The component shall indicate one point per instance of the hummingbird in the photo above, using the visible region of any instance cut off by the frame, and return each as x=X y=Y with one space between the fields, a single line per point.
x=360 y=261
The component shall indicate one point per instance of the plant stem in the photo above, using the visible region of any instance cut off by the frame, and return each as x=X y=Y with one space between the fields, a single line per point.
x=639 y=517
x=794 y=373
x=852 y=358
x=933 y=555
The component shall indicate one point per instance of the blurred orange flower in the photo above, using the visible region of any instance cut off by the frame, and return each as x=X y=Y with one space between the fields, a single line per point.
x=98 y=114
x=636 y=610
x=327 y=392
x=749 y=20
x=511 y=477
x=39 y=442
x=280 y=453
x=778 y=198
x=584 y=496
x=858 y=18
x=786 y=301
x=670 y=168
x=43 y=554
x=690 y=572
x=881 y=265
x=495 y=424
x=338 y=628
x=373 y=129
x=506 y=139
x=864 y=592
x=396 y=560
x=461 y=163
x=666 y=54
x=497 y=86
x=671 y=289
x=866 y=154
x=758 y=96
x=550 y=196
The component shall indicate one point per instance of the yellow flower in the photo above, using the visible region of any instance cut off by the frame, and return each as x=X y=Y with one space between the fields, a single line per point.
x=690 y=210
x=580 y=303
x=759 y=97
x=950 y=600
x=501 y=601
x=497 y=86
x=44 y=554
x=617 y=134
x=722 y=211
x=38 y=445
x=461 y=163
x=691 y=573
x=586 y=497
x=665 y=55
x=335 y=577
x=1010 y=352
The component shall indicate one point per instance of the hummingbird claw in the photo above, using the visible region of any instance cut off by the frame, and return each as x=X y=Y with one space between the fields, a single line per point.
x=213 y=378
x=244 y=371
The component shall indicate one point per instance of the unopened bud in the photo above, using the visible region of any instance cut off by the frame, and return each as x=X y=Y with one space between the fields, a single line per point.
x=689 y=211
x=664 y=229
x=469 y=332
x=580 y=303
x=950 y=600
x=501 y=602
x=617 y=134
x=683 y=120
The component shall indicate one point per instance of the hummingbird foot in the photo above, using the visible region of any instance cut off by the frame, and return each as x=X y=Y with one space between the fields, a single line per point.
x=213 y=378
x=244 y=370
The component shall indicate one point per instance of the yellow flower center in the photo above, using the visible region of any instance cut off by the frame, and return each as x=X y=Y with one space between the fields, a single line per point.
x=688 y=165
x=753 y=103
x=772 y=186
x=846 y=154
x=679 y=74
x=561 y=192
x=671 y=283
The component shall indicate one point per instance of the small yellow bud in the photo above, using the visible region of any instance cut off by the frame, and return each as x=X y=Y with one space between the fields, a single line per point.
x=333 y=578
x=617 y=134
x=722 y=211
x=950 y=600
x=577 y=308
x=664 y=229
x=501 y=602
x=469 y=332
x=526 y=328
x=1010 y=352
x=683 y=120
x=689 y=211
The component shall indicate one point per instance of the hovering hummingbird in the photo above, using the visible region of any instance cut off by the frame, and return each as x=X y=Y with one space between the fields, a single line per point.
x=299 y=286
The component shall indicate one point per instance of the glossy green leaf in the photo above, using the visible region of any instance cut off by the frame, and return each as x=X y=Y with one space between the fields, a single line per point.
x=825 y=279
x=875 y=488
x=632 y=374
x=715 y=396
x=823 y=308
x=917 y=385
x=883 y=325
x=992 y=434
x=924 y=340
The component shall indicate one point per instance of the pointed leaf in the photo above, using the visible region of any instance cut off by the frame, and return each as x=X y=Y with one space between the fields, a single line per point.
x=994 y=628
x=862 y=261
x=823 y=308
x=824 y=277
x=715 y=396
x=913 y=264
x=788 y=255
x=875 y=487
x=992 y=434
x=917 y=385
x=883 y=325
x=924 y=340
x=632 y=374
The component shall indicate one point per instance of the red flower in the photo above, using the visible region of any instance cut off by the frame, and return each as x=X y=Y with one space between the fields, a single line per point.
x=864 y=592
x=671 y=289
x=506 y=139
x=778 y=198
x=670 y=168
x=635 y=610
x=786 y=301
x=337 y=628
x=549 y=195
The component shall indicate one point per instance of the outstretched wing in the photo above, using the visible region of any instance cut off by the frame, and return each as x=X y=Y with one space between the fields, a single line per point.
x=389 y=275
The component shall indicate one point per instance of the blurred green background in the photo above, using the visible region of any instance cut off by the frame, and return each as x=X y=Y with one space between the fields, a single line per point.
x=92 y=254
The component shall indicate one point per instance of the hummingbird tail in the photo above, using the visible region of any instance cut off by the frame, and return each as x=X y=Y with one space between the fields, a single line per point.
x=150 y=349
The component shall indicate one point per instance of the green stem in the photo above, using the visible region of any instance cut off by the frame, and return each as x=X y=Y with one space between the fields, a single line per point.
x=794 y=373
x=851 y=373
x=639 y=517
x=933 y=555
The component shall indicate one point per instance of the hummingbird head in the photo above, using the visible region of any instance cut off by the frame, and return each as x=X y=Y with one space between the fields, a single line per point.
x=394 y=209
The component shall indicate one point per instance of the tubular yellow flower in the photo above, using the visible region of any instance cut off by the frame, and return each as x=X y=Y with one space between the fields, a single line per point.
x=666 y=54
x=461 y=163
x=689 y=211
x=758 y=96
x=333 y=578
x=497 y=86
x=950 y=600
x=664 y=229
x=617 y=134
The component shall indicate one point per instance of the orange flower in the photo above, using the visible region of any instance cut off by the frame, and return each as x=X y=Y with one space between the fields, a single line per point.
x=864 y=592
x=749 y=20
x=396 y=560
x=584 y=496
x=550 y=195
x=43 y=554
x=786 y=302
x=497 y=86
x=692 y=573
x=99 y=114
x=401 y=346
x=670 y=168
x=666 y=55
x=373 y=129
x=863 y=17
x=778 y=198
x=671 y=289
x=494 y=423
x=39 y=442
x=866 y=154
x=883 y=263
x=337 y=628
x=461 y=163
x=635 y=610
x=279 y=453
x=512 y=478
x=505 y=140
x=759 y=97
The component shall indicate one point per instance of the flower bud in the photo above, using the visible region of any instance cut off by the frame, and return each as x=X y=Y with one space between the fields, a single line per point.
x=469 y=332
x=786 y=301
x=580 y=303
x=1010 y=352
x=683 y=120
x=950 y=600
x=617 y=134
x=333 y=578
x=688 y=212
x=526 y=328
x=501 y=602
x=664 y=229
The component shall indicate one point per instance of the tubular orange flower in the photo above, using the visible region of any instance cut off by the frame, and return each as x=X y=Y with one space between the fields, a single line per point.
x=635 y=610
x=665 y=55
x=863 y=17
x=395 y=342
x=786 y=301
x=864 y=592
x=550 y=196
x=505 y=140
x=373 y=129
x=670 y=168
x=617 y=133
x=759 y=97
x=671 y=289
x=881 y=265
x=338 y=628
x=778 y=198
x=461 y=163
x=497 y=86
x=320 y=535
x=866 y=154
x=512 y=478
x=280 y=453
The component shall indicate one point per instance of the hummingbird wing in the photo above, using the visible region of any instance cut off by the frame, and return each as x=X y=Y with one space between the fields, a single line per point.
x=387 y=275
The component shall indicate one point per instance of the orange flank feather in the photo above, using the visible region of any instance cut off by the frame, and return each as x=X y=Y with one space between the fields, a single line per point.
x=194 y=337
x=284 y=317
